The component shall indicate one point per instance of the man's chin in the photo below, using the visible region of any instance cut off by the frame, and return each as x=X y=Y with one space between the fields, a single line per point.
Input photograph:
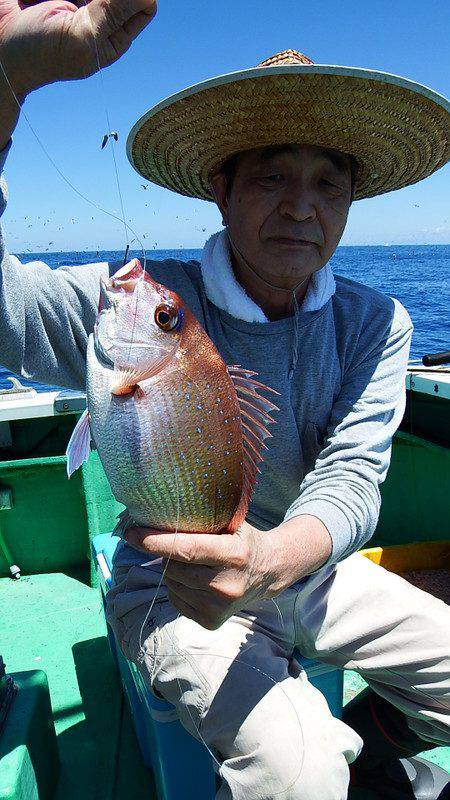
x=290 y=265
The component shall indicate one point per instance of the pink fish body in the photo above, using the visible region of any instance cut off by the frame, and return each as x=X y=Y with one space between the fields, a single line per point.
x=178 y=432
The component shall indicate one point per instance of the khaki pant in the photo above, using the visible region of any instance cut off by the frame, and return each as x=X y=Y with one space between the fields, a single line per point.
x=238 y=689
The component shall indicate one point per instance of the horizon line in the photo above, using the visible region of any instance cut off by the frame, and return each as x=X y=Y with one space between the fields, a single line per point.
x=179 y=249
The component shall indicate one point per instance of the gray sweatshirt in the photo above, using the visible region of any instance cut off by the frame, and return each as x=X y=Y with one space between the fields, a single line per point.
x=332 y=440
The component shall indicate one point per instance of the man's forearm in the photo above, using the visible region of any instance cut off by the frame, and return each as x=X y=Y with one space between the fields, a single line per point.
x=300 y=546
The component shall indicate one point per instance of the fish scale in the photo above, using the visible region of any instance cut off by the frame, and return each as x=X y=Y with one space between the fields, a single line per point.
x=152 y=448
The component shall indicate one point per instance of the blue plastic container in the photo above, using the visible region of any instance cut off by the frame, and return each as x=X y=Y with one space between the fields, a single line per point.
x=328 y=679
x=182 y=765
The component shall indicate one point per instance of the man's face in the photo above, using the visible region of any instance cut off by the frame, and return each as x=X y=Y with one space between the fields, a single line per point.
x=287 y=209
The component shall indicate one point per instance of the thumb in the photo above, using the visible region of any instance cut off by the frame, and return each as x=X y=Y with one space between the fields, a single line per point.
x=120 y=21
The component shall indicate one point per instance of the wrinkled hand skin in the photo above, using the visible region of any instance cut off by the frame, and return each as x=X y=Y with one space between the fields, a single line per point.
x=42 y=41
x=210 y=577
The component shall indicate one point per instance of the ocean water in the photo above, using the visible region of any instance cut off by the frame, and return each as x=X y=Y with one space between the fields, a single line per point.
x=418 y=275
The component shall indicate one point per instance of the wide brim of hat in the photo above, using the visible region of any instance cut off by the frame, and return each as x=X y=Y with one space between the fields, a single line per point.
x=398 y=130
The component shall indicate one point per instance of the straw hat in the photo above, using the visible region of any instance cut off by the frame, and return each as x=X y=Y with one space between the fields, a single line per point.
x=398 y=130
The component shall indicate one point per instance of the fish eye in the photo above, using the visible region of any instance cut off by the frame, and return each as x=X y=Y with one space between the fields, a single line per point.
x=166 y=317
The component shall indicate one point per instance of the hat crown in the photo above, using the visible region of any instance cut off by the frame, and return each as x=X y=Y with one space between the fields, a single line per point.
x=396 y=130
x=285 y=58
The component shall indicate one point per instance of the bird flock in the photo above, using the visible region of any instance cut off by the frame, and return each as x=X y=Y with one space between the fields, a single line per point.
x=19 y=229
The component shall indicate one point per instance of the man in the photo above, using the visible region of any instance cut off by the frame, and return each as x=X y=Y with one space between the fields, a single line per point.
x=283 y=150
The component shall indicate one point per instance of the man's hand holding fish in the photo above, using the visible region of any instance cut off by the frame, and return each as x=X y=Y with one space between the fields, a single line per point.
x=211 y=577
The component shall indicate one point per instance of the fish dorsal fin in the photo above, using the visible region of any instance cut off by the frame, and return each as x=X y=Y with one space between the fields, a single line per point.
x=255 y=416
x=79 y=445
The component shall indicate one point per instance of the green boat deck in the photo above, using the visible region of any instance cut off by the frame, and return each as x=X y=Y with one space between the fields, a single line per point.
x=58 y=626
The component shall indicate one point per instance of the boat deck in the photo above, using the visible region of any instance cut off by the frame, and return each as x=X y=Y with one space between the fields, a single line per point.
x=58 y=626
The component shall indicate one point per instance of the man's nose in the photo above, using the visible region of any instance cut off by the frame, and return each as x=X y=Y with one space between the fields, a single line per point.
x=298 y=206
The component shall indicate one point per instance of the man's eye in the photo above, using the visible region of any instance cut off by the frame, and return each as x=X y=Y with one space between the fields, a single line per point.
x=276 y=177
x=331 y=185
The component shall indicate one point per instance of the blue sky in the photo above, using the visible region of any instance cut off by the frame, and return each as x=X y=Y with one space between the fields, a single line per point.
x=186 y=43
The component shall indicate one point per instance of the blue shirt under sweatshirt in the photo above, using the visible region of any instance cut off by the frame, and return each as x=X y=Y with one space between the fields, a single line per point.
x=332 y=439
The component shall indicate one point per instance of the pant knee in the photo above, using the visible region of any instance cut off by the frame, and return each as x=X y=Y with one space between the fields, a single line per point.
x=266 y=765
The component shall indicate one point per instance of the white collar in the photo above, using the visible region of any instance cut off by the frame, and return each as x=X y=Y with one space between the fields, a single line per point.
x=225 y=292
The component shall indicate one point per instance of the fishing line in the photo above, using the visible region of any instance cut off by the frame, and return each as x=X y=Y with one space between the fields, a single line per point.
x=236 y=660
x=280 y=614
x=127 y=228
x=263 y=280
x=112 y=141
x=174 y=649
x=294 y=301
x=170 y=554
x=111 y=138
x=296 y=328
x=63 y=177
x=156 y=594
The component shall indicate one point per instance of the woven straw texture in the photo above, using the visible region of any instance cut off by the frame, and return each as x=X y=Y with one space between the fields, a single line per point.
x=398 y=136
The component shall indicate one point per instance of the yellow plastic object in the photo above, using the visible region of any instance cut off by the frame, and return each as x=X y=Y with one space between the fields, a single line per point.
x=407 y=557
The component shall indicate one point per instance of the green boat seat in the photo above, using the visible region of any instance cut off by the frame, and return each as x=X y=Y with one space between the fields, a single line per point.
x=29 y=761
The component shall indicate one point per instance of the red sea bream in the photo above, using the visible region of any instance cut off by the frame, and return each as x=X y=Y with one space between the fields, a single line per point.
x=178 y=432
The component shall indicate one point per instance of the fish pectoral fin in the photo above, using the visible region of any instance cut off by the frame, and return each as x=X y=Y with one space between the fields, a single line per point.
x=79 y=445
x=127 y=378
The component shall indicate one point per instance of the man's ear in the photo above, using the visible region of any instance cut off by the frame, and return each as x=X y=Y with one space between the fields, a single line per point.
x=218 y=184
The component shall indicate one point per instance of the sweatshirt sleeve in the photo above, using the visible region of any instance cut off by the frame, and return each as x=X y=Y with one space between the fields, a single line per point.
x=343 y=488
x=46 y=315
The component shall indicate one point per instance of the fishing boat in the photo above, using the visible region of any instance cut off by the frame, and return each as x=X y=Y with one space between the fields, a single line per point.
x=75 y=721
